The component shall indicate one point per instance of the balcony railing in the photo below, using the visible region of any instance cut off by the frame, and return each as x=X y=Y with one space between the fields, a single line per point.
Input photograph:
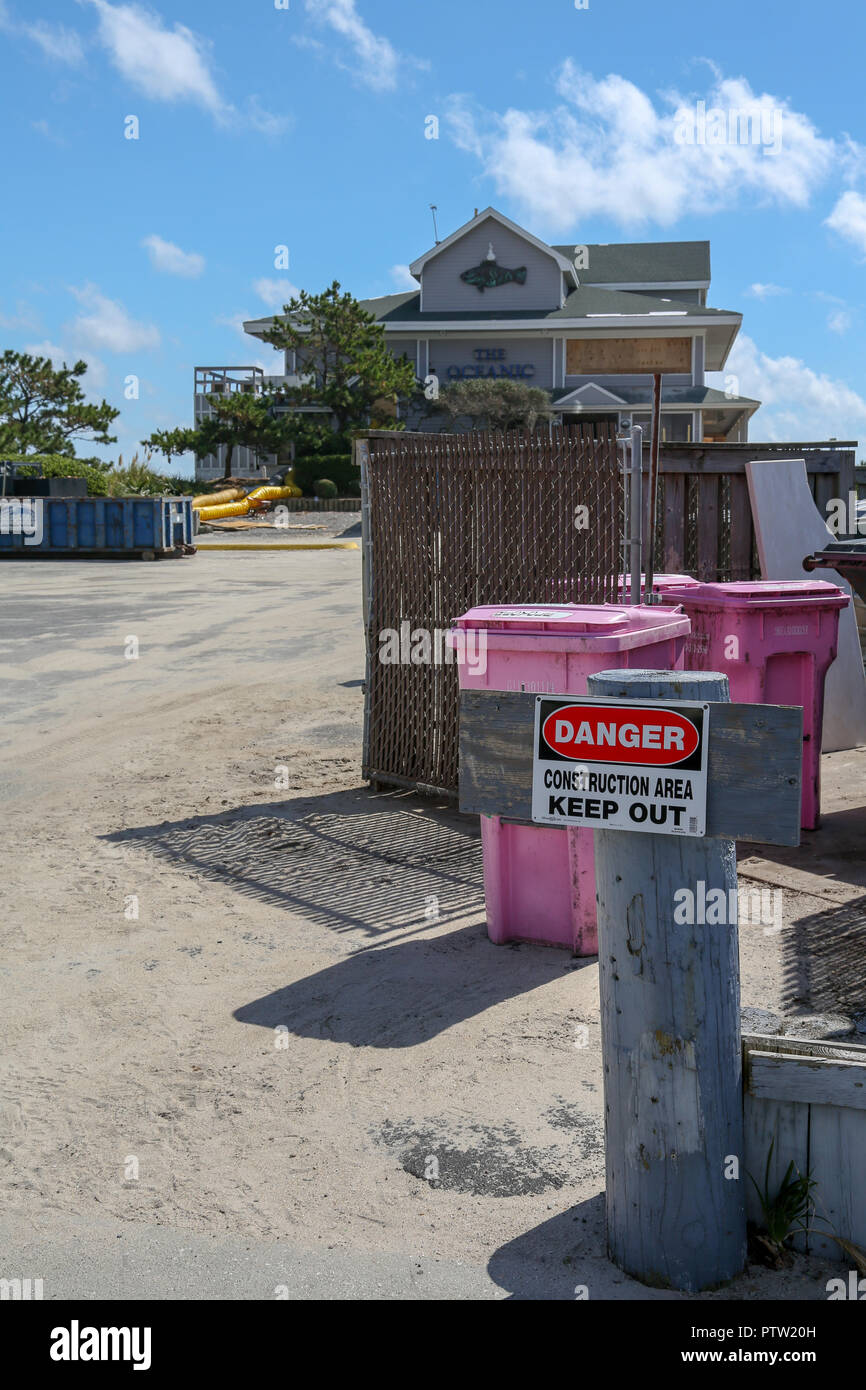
x=218 y=381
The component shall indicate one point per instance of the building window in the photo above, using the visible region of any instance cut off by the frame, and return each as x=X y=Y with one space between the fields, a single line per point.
x=674 y=428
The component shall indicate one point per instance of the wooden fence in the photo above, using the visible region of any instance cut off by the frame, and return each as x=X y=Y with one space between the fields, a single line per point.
x=703 y=514
x=454 y=520
x=808 y=1099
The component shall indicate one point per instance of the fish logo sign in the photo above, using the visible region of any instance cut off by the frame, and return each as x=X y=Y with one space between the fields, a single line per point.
x=488 y=275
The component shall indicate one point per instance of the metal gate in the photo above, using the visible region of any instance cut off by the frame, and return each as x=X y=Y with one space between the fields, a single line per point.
x=454 y=520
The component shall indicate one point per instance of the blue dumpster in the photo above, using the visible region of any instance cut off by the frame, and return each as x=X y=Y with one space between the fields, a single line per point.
x=72 y=526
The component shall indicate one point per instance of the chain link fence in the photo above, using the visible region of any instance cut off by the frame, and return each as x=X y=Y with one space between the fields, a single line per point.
x=455 y=520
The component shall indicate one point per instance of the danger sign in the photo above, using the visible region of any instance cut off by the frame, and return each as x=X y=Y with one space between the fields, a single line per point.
x=613 y=764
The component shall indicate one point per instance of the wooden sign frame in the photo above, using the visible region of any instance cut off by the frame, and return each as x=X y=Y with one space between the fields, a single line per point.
x=754 y=769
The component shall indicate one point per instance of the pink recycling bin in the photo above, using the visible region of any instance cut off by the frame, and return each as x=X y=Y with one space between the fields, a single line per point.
x=661 y=583
x=775 y=641
x=539 y=881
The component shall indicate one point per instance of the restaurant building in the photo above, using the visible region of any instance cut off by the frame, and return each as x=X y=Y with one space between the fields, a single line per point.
x=590 y=324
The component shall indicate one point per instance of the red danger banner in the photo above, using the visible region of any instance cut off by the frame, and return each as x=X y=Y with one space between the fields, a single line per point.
x=620 y=765
x=631 y=734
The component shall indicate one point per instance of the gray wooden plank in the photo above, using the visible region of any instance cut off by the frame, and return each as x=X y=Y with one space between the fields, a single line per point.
x=807 y=1047
x=754 y=764
x=784 y=1125
x=696 y=463
x=837 y=1144
x=807 y=1080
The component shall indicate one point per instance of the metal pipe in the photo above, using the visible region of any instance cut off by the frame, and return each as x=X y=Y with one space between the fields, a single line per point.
x=636 y=510
x=653 y=481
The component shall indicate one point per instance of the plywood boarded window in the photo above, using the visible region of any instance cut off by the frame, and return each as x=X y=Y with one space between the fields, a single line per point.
x=587 y=356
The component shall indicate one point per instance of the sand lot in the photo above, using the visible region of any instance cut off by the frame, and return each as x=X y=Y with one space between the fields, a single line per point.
x=250 y=1005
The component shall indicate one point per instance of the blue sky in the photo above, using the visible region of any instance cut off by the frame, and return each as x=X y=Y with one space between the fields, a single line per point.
x=261 y=125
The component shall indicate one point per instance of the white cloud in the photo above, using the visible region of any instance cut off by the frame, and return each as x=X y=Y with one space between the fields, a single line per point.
x=275 y=293
x=848 y=218
x=164 y=255
x=839 y=321
x=61 y=357
x=403 y=278
x=377 y=60
x=798 y=402
x=608 y=149
x=759 y=291
x=173 y=65
x=236 y=322
x=107 y=324
x=58 y=356
x=263 y=121
x=167 y=65
x=24 y=317
x=45 y=128
x=56 y=41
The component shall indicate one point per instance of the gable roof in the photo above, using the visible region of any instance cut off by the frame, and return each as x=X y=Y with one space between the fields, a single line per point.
x=565 y=262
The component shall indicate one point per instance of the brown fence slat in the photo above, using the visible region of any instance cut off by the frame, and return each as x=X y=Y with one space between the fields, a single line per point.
x=708 y=528
x=742 y=530
x=674 y=522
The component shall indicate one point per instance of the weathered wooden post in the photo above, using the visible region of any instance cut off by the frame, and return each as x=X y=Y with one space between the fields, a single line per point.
x=646 y=749
x=670 y=1027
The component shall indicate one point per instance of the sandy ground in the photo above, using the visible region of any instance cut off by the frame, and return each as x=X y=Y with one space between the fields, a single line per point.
x=248 y=1000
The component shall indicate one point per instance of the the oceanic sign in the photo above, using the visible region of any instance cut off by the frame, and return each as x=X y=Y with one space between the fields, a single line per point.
x=617 y=765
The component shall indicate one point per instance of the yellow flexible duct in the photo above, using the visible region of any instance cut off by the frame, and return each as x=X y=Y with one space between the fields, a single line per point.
x=225 y=509
x=256 y=500
x=267 y=493
x=215 y=499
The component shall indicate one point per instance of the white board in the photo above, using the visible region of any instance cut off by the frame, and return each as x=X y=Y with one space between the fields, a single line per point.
x=788 y=527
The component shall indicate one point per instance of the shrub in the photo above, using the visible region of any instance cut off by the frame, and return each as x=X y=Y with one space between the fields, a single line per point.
x=105 y=479
x=94 y=471
x=325 y=488
x=336 y=468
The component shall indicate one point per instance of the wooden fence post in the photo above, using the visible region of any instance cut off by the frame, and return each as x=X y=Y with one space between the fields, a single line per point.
x=670 y=1029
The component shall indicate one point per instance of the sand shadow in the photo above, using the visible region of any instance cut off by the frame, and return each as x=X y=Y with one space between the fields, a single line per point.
x=378 y=864
x=825 y=960
x=824 y=965
x=564 y=1260
x=406 y=993
x=835 y=851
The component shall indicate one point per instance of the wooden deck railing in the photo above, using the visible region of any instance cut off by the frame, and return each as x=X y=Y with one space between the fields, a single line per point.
x=703 y=513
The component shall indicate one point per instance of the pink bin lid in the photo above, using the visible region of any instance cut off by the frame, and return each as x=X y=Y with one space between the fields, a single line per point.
x=562 y=619
x=765 y=593
x=662 y=581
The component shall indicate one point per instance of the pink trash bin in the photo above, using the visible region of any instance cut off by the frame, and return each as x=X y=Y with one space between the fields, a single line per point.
x=539 y=881
x=661 y=582
x=775 y=641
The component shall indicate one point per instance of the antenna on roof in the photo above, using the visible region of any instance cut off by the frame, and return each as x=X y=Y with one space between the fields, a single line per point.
x=433 y=209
